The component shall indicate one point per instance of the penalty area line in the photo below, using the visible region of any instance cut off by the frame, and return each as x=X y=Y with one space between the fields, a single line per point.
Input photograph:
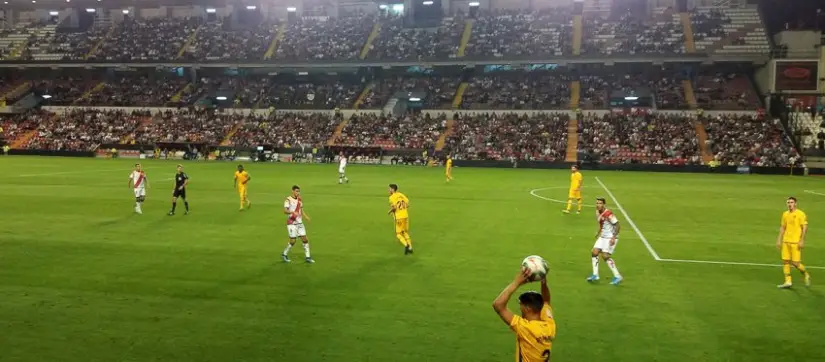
x=650 y=249
x=729 y=263
x=814 y=192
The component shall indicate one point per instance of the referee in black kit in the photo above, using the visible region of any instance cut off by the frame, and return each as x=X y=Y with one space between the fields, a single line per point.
x=181 y=181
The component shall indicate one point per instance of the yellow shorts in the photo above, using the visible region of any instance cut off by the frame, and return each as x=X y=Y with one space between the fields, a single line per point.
x=242 y=192
x=573 y=194
x=791 y=251
x=402 y=225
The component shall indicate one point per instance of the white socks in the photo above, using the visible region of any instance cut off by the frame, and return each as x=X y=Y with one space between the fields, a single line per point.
x=306 y=250
x=288 y=246
x=612 y=265
x=595 y=261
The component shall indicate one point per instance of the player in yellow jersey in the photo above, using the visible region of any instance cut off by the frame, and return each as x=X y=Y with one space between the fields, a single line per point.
x=575 y=190
x=536 y=328
x=399 y=203
x=448 y=168
x=241 y=179
x=791 y=240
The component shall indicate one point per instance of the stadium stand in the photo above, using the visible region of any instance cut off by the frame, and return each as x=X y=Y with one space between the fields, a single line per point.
x=326 y=38
x=649 y=139
x=396 y=41
x=286 y=130
x=743 y=140
x=511 y=136
x=518 y=91
x=503 y=33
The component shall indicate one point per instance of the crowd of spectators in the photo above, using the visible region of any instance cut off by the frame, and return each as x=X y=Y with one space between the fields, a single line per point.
x=748 y=141
x=492 y=136
x=326 y=38
x=188 y=126
x=440 y=91
x=708 y=24
x=396 y=41
x=65 y=90
x=517 y=33
x=296 y=130
x=631 y=35
x=518 y=91
x=329 y=94
x=639 y=138
x=138 y=91
x=596 y=90
x=725 y=91
x=217 y=40
x=17 y=125
x=66 y=45
x=83 y=129
x=387 y=131
x=147 y=39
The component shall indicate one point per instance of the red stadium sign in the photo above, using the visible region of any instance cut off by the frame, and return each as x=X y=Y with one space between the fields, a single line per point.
x=796 y=75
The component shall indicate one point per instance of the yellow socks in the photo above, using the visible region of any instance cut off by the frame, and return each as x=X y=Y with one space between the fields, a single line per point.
x=786 y=268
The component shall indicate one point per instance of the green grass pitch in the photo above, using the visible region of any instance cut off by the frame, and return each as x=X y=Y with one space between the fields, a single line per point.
x=83 y=279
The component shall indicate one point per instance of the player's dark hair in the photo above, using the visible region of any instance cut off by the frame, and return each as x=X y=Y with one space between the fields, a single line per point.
x=394 y=187
x=296 y=187
x=601 y=199
x=137 y=164
x=179 y=165
x=576 y=166
x=532 y=300
x=792 y=198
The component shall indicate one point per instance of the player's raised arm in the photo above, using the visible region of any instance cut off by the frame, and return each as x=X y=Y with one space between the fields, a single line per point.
x=500 y=303
x=545 y=291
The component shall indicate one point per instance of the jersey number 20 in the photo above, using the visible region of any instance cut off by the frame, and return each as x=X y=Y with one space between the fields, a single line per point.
x=401 y=205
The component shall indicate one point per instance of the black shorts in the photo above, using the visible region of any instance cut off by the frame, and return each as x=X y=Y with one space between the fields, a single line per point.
x=179 y=193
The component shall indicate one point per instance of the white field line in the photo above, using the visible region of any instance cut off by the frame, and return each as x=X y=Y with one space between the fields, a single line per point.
x=124 y=170
x=730 y=263
x=650 y=249
x=814 y=192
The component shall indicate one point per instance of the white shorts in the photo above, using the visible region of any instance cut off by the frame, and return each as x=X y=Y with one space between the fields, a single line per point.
x=342 y=169
x=296 y=230
x=140 y=192
x=603 y=244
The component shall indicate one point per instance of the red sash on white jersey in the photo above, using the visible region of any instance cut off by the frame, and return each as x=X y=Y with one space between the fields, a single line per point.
x=139 y=181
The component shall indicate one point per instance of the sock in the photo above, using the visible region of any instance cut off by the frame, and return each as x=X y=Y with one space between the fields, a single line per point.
x=801 y=268
x=612 y=265
x=408 y=239
x=579 y=203
x=306 y=250
x=174 y=205
x=241 y=203
x=137 y=204
x=595 y=261
x=569 y=204
x=786 y=268
x=186 y=203
x=401 y=238
x=288 y=246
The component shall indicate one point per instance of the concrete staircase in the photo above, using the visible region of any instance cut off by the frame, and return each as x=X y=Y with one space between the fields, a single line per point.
x=702 y=137
x=144 y=121
x=575 y=94
x=336 y=134
x=442 y=139
x=88 y=93
x=177 y=97
x=687 y=29
x=390 y=105
x=459 y=95
x=17 y=91
x=189 y=42
x=577 y=34
x=368 y=44
x=360 y=99
x=100 y=42
x=572 y=152
x=21 y=141
x=465 y=37
x=227 y=140
x=273 y=45
x=690 y=97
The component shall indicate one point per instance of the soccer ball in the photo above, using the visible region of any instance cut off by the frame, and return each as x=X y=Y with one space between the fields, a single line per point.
x=537 y=267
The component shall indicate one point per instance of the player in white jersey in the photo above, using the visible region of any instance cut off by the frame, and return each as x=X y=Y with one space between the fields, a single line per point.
x=138 y=182
x=606 y=240
x=342 y=168
x=294 y=208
